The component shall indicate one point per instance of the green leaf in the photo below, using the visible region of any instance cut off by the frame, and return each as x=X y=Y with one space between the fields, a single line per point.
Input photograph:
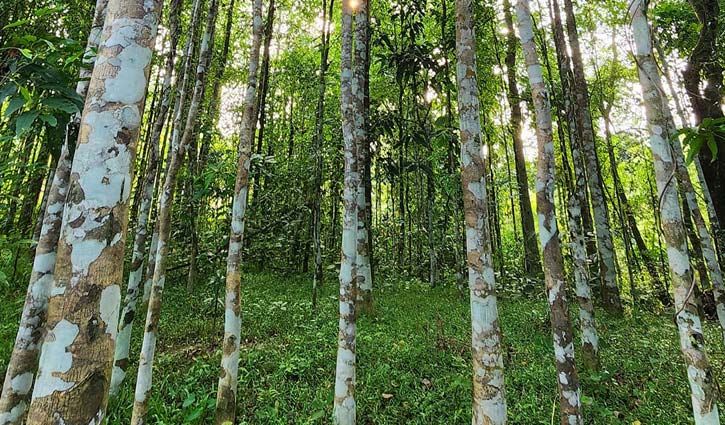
x=189 y=401
x=694 y=149
x=27 y=53
x=62 y=104
x=195 y=414
x=7 y=90
x=16 y=24
x=49 y=119
x=26 y=93
x=16 y=102
x=24 y=121
x=712 y=144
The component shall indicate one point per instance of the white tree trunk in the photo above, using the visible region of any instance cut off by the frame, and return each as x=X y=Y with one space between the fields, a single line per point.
x=489 y=396
x=345 y=409
x=179 y=145
x=692 y=344
x=133 y=289
x=23 y=364
x=227 y=387
x=77 y=355
x=556 y=284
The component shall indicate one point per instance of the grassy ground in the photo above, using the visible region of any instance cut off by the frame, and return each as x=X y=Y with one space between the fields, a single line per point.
x=413 y=357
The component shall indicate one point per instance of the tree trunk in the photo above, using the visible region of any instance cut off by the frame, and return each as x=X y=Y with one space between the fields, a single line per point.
x=585 y=133
x=489 y=396
x=319 y=149
x=556 y=284
x=226 y=404
x=364 y=280
x=179 y=146
x=344 y=412
x=133 y=289
x=532 y=261
x=692 y=344
x=76 y=360
x=706 y=102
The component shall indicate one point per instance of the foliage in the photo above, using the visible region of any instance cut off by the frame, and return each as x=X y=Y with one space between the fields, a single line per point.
x=414 y=359
x=710 y=133
x=38 y=73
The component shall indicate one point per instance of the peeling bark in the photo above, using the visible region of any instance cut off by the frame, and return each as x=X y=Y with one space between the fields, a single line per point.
x=556 y=284
x=364 y=279
x=133 y=289
x=692 y=343
x=345 y=409
x=489 y=396
x=77 y=354
x=585 y=132
x=15 y=399
x=577 y=202
x=227 y=388
x=180 y=142
x=532 y=260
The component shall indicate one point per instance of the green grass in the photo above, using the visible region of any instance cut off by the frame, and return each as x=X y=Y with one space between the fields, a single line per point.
x=413 y=355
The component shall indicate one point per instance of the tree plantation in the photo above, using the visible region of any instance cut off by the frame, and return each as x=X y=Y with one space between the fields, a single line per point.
x=362 y=211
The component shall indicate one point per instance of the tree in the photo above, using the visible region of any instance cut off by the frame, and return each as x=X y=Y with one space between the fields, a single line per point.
x=180 y=142
x=532 y=261
x=585 y=135
x=135 y=276
x=489 y=397
x=227 y=388
x=577 y=202
x=344 y=403
x=77 y=354
x=706 y=100
x=692 y=344
x=364 y=278
x=556 y=284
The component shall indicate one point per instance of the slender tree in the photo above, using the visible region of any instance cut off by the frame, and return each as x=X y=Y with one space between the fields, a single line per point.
x=77 y=355
x=692 y=344
x=344 y=403
x=556 y=284
x=227 y=389
x=585 y=133
x=489 y=396
x=364 y=278
x=577 y=202
x=179 y=147
x=532 y=261
x=133 y=289
x=319 y=147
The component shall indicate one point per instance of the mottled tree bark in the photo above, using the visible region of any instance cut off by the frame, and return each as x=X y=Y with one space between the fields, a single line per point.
x=134 y=289
x=692 y=343
x=364 y=279
x=556 y=284
x=576 y=204
x=489 y=396
x=532 y=261
x=585 y=133
x=179 y=147
x=227 y=389
x=76 y=358
x=345 y=410
x=23 y=364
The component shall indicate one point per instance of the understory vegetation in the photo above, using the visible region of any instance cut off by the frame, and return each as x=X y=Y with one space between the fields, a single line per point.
x=414 y=354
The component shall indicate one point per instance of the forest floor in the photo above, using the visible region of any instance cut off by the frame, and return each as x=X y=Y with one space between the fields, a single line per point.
x=413 y=353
